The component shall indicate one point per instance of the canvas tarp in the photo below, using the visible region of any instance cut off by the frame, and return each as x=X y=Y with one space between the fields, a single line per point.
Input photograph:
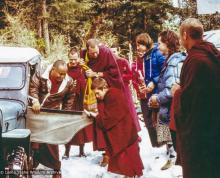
x=55 y=127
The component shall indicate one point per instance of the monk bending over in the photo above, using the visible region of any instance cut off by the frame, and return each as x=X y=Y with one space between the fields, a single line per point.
x=118 y=129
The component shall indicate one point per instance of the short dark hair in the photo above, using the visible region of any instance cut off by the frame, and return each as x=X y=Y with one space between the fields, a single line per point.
x=92 y=43
x=73 y=50
x=193 y=27
x=58 y=63
x=171 y=39
x=145 y=39
x=99 y=83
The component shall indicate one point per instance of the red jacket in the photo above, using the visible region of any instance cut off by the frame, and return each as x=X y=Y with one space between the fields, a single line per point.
x=137 y=68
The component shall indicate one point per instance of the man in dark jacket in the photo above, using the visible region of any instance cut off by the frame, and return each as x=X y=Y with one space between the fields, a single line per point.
x=197 y=110
x=52 y=89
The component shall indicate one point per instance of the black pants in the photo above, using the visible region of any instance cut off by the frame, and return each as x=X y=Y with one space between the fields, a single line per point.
x=147 y=114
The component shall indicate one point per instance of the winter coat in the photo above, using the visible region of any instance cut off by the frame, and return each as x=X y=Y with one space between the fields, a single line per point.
x=170 y=74
x=40 y=88
x=153 y=62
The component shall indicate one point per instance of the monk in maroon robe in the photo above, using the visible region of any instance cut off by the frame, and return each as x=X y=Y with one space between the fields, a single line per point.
x=114 y=119
x=102 y=63
x=52 y=89
x=197 y=113
x=76 y=72
x=127 y=76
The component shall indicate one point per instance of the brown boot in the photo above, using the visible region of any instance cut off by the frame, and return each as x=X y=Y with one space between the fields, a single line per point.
x=168 y=165
x=105 y=160
x=57 y=176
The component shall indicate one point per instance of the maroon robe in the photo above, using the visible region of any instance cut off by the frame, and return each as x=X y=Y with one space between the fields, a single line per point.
x=172 y=120
x=77 y=74
x=136 y=68
x=105 y=63
x=98 y=137
x=127 y=76
x=85 y=135
x=197 y=113
x=120 y=133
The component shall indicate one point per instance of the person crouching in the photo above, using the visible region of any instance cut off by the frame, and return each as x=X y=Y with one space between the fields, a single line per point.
x=120 y=132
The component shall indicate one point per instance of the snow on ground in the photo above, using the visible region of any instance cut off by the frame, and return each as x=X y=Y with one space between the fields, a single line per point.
x=88 y=167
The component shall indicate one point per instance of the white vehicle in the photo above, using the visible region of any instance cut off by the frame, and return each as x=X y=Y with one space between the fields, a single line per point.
x=18 y=125
x=213 y=36
x=16 y=67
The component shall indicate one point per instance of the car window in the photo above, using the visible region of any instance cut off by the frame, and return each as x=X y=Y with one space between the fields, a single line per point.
x=11 y=77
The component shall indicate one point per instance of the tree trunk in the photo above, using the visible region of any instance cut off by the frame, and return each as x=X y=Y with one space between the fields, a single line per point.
x=39 y=18
x=145 y=22
x=45 y=27
x=39 y=27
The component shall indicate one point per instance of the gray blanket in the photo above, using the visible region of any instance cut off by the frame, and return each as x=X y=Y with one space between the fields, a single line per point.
x=55 y=128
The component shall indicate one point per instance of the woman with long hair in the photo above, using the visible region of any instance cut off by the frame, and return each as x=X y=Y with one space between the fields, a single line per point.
x=169 y=46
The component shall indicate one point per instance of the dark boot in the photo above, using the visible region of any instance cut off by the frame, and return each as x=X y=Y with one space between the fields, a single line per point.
x=35 y=158
x=81 y=151
x=67 y=152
